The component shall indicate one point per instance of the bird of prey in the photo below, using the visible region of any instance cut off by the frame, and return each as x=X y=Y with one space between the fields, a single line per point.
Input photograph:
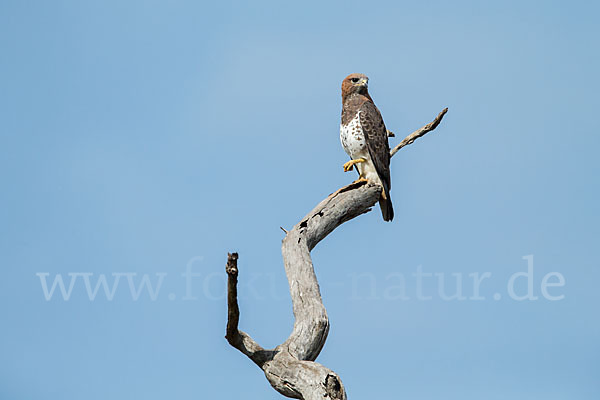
x=365 y=138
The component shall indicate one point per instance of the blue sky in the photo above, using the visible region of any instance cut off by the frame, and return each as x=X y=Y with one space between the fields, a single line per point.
x=144 y=138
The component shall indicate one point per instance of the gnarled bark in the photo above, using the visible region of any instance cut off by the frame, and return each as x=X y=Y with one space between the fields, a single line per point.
x=290 y=367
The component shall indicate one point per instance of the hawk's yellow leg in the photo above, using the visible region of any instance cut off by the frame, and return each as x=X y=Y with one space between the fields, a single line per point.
x=350 y=164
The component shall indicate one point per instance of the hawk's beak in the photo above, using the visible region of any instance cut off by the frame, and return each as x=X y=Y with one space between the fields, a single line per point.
x=363 y=82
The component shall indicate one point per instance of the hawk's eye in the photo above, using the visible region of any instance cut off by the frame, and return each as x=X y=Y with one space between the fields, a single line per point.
x=354 y=80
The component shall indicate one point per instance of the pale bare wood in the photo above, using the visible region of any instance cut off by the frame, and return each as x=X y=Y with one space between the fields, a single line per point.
x=420 y=132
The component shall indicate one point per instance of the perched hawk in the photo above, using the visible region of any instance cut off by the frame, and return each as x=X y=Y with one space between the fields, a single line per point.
x=365 y=138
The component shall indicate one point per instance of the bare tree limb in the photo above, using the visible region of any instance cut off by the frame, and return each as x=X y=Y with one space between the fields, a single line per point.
x=420 y=132
x=290 y=367
x=238 y=339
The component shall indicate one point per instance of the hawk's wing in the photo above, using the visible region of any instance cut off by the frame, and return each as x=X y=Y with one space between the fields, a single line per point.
x=376 y=137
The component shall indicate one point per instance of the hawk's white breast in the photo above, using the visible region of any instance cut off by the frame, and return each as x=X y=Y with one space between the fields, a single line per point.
x=353 y=139
x=355 y=145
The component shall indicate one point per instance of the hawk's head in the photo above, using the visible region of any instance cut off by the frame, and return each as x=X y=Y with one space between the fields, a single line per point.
x=354 y=83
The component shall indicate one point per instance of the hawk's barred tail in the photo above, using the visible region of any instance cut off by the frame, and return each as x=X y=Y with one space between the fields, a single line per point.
x=386 y=207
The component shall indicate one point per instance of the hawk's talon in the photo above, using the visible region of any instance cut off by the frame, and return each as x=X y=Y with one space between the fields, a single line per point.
x=360 y=180
x=350 y=164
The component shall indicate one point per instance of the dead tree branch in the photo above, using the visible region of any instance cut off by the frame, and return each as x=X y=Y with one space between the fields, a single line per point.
x=290 y=367
x=238 y=339
x=420 y=132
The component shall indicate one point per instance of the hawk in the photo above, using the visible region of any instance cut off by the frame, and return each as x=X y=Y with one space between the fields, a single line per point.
x=364 y=137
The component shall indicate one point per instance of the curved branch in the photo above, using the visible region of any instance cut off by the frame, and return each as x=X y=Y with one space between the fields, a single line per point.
x=419 y=132
x=311 y=323
x=290 y=367
x=238 y=339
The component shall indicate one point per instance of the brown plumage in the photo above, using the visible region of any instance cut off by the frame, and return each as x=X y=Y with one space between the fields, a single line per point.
x=365 y=137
